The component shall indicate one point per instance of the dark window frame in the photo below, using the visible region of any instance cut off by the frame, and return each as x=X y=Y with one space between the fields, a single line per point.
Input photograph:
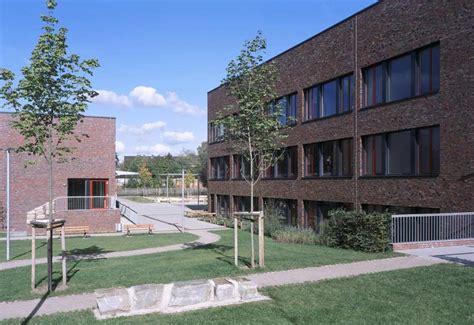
x=315 y=94
x=338 y=159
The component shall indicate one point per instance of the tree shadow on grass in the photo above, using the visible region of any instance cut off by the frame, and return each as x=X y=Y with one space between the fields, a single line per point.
x=225 y=253
x=57 y=279
x=91 y=252
x=28 y=251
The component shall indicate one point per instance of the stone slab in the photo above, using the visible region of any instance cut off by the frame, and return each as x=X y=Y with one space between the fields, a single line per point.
x=112 y=301
x=247 y=288
x=224 y=290
x=190 y=292
x=145 y=296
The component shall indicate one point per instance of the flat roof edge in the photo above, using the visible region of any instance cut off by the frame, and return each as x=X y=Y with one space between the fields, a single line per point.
x=86 y=116
x=312 y=37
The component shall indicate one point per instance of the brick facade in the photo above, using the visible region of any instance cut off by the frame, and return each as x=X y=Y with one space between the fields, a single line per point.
x=379 y=32
x=94 y=158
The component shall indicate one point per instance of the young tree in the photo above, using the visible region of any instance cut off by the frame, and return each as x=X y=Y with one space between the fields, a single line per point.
x=254 y=132
x=49 y=101
x=202 y=163
x=188 y=179
x=146 y=178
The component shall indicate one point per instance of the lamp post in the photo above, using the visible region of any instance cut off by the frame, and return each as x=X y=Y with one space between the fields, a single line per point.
x=7 y=203
x=182 y=199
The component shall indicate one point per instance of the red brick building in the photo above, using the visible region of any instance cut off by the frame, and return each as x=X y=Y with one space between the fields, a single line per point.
x=82 y=187
x=384 y=117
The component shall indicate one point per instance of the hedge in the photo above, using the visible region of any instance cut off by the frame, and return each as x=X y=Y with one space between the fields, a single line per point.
x=358 y=230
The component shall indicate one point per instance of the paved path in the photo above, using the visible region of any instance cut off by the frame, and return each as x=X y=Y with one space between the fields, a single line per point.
x=205 y=237
x=166 y=216
x=48 y=306
x=457 y=254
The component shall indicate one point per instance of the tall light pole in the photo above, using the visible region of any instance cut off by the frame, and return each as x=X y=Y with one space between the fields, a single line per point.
x=8 y=202
x=182 y=199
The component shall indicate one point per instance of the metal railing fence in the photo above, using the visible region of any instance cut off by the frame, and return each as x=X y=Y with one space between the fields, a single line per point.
x=67 y=203
x=161 y=191
x=410 y=228
x=127 y=212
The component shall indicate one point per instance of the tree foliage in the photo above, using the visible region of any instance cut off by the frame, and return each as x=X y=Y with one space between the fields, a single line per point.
x=51 y=97
x=251 y=128
x=146 y=178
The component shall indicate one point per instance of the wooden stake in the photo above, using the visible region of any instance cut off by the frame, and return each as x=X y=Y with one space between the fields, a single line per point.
x=33 y=258
x=252 y=245
x=63 y=253
x=236 y=243
x=261 y=243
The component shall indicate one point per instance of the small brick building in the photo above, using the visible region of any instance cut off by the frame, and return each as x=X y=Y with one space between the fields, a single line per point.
x=383 y=103
x=83 y=185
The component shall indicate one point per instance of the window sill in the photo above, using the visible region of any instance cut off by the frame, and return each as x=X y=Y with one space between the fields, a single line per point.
x=326 y=177
x=327 y=117
x=399 y=101
x=218 y=179
x=397 y=176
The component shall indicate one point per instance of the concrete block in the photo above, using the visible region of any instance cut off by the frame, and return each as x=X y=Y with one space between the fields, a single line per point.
x=190 y=293
x=112 y=301
x=247 y=289
x=145 y=296
x=224 y=290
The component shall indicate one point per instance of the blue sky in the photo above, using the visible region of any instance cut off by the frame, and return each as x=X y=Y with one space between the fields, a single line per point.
x=160 y=58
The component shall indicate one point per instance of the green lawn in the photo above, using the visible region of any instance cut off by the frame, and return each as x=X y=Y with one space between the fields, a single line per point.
x=440 y=294
x=198 y=263
x=21 y=249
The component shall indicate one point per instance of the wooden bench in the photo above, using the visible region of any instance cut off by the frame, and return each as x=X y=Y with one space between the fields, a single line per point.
x=140 y=228
x=84 y=230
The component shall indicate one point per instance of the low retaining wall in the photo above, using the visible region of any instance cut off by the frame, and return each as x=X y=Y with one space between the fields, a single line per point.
x=446 y=243
x=174 y=297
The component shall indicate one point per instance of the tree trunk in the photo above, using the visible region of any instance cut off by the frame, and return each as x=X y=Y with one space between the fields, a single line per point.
x=50 y=235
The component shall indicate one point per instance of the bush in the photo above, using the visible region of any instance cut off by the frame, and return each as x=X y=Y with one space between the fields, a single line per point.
x=358 y=230
x=294 y=235
x=273 y=218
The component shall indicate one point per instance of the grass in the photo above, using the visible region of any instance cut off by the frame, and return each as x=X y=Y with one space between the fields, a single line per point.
x=198 y=263
x=140 y=199
x=440 y=294
x=21 y=249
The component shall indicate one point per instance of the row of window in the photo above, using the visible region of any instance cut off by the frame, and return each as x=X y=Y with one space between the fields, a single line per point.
x=402 y=153
x=314 y=214
x=409 y=75
x=409 y=152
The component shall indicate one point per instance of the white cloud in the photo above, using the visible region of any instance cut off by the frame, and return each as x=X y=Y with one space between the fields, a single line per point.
x=177 y=137
x=157 y=149
x=147 y=97
x=111 y=98
x=119 y=147
x=145 y=128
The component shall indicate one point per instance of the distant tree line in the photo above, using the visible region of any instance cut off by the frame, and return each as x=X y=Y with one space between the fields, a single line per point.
x=152 y=168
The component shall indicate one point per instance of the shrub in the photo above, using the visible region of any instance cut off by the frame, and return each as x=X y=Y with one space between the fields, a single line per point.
x=294 y=235
x=273 y=218
x=358 y=230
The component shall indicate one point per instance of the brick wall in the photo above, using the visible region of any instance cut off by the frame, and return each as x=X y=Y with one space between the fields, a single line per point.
x=382 y=31
x=93 y=158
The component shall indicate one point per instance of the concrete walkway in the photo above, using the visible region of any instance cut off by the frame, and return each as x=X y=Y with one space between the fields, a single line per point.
x=167 y=216
x=48 y=306
x=205 y=238
x=457 y=254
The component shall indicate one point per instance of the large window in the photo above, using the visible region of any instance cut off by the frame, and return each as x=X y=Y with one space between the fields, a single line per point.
x=287 y=109
x=369 y=208
x=410 y=152
x=286 y=166
x=241 y=167
x=415 y=73
x=284 y=208
x=329 y=98
x=242 y=203
x=220 y=168
x=316 y=213
x=87 y=193
x=216 y=132
x=331 y=158
x=223 y=205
